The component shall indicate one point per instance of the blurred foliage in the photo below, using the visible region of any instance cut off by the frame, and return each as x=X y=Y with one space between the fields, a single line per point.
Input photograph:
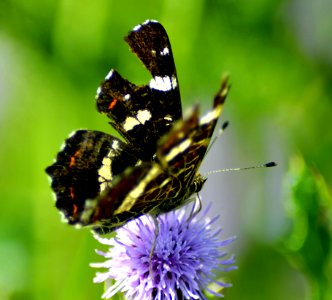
x=54 y=54
x=308 y=244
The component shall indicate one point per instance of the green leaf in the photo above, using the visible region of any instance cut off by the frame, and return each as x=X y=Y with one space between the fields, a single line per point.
x=308 y=242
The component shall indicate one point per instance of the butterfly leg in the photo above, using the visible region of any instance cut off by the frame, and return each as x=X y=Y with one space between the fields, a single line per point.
x=156 y=233
x=197 y=206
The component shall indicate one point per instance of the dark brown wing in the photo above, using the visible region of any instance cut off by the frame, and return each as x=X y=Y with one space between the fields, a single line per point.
x=84 y=167
x=137 y=110
x=182 y=150
x=139 y=190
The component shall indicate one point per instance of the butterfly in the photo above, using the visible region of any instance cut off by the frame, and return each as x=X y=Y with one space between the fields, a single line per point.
x=103 y=181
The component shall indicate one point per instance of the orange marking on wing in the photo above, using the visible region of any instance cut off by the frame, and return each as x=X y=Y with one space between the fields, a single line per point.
x=113 y=103
x=73 y=159
x=75 y=210
x=71 y=191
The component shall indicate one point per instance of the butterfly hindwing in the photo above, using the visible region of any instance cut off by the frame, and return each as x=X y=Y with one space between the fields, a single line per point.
x=141 y=189
x=84 y=167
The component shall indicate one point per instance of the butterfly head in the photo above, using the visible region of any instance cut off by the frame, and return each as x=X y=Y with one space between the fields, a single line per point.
x=197 y=184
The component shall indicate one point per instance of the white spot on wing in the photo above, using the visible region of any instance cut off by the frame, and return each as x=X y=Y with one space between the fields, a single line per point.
x=168 y=118
x=109 y=75
x=126 y=97
x=143 y=116
x=160 y=83
x=163 y=83
x=130 y=123
x=208 y=117
x=137 y=27
x=98 y=92
x=150 y=21
x=165 y=51
x=179 y=149
x=115 y=144
x=138 y=163
x=211 y=115
x=103 y=186
x=71 y=134
x=174 y=82
x=105 y=171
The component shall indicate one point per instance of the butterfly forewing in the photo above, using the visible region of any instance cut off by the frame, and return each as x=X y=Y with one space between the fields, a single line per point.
x=182 y=150
x=153 y=108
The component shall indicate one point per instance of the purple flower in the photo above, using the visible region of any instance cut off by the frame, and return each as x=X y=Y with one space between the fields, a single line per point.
x=186 y=255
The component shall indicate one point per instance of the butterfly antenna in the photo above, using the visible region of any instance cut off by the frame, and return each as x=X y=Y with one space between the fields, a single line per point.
x=266 y=165
x=219 y=134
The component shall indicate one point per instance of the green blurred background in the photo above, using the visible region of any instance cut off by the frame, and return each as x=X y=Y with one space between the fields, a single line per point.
x=54 y=54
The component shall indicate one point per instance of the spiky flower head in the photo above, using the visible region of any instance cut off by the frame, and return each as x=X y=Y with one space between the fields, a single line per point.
x=183 y=263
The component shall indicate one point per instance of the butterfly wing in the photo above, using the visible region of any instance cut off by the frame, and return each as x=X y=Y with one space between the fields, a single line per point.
x=139 y=190
x=182 y=150
x=86 y=166
x=137 y=110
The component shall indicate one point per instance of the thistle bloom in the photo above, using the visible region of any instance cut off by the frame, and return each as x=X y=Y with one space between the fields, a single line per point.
x=186 y=254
